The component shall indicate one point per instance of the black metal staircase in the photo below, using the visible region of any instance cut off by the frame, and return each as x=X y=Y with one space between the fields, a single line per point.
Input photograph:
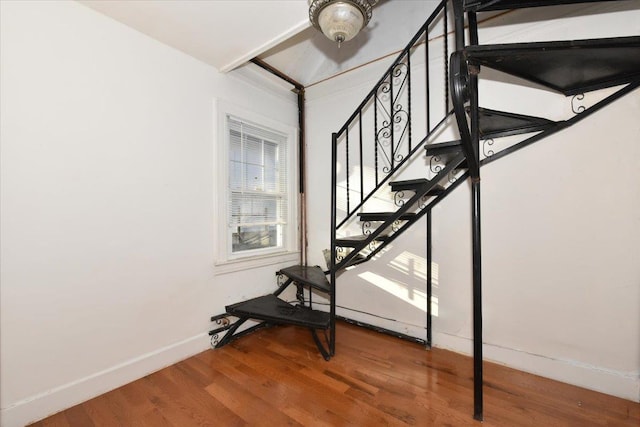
x=570 y=67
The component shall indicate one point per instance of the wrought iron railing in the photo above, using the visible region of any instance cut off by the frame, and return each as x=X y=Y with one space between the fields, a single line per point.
x=379 y=137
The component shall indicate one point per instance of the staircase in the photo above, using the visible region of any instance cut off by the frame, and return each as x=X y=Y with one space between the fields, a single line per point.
x=379 y=137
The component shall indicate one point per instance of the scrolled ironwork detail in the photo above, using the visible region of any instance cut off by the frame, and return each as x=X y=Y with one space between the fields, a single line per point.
x=398 y=69
x=398 y=198
x=577 y=109
x=383 y=139
x=281 y=279
x=399 y=76
x=383 y=91
x=488 y=152
x=401 y=120
x=423 y=201
x=366 y=227
x=434 y=164
x=340 y=253
x=215 y=339
x=300 y=295
x=396 y=225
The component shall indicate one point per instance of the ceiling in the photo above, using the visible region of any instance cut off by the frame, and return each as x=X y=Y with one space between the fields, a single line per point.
x=222 y=33
x=310 y=57
x=228 y=33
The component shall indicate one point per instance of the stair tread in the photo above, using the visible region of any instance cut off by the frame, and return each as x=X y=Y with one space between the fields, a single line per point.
x=495 y=124
x=272 y=309
x=312 y=276
x=569 y=67
x=485 y=5
x=383 y=216
x=358 y=259
x=358 y=239
x=412 y=184
x=443 y=148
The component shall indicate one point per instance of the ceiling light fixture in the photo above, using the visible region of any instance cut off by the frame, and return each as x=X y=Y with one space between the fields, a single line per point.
x=340 y=20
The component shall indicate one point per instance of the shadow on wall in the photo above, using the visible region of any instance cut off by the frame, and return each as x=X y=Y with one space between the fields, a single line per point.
x=391 y=287
x=409 y=283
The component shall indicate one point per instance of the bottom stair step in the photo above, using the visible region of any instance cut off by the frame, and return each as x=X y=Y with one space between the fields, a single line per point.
x=272 y=309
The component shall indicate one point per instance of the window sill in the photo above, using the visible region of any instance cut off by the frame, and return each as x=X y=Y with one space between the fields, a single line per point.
x=225 y=267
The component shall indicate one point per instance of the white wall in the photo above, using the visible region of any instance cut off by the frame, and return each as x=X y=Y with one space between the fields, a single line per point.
x=560 y=220
x=108 y=147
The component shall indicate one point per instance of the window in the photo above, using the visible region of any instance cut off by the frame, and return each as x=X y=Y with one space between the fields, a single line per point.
x=257 y=192
x=256 y=198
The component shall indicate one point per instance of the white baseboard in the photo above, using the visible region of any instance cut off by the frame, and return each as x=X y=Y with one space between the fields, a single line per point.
x=616 y=383
x=621 y=384
x=67 y=395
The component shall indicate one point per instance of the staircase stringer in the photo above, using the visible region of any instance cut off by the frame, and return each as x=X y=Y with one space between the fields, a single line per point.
x=561 y=125
x=424 y=211
x=451 y=165
x=410 y=156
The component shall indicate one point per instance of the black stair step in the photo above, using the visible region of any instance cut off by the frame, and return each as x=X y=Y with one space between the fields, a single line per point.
x=272 y=309
x=443 y=148
x=353 y=241
x=414 y=184
x=482 y=5
x=358 y=259
x=383 y=216
x=569 y=67
x=495 y=124
x=311 y=276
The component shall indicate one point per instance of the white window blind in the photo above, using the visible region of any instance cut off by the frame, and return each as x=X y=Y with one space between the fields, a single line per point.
x=257 y=204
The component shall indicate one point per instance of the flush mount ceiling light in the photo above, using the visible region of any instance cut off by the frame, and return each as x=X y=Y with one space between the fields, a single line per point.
x=340 y=20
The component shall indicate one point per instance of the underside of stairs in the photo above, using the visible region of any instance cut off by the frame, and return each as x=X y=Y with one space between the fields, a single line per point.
x=568 y=67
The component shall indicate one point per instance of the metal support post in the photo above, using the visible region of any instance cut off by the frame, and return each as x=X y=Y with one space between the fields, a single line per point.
x=429 y=278
x=332 y=264
x=458 y=14
x=477 y=302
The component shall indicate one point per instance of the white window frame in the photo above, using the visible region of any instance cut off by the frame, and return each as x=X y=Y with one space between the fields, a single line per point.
x=225 y=260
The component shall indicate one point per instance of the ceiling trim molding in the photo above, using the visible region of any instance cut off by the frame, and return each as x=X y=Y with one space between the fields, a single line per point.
x=303 y=25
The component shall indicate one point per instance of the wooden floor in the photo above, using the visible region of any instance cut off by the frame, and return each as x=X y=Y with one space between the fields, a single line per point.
x=275 y=377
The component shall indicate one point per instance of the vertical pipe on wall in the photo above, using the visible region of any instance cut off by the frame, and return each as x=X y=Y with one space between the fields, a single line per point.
x=300 y=92
x=302 y=176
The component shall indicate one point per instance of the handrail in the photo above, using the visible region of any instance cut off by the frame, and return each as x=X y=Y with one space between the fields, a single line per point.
x=412 y=42
x=386 y=145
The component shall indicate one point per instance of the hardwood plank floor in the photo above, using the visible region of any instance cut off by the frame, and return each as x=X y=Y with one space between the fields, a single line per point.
x=275 y=377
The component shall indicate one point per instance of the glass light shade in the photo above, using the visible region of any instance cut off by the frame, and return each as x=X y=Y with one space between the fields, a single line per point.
x=340 y=21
